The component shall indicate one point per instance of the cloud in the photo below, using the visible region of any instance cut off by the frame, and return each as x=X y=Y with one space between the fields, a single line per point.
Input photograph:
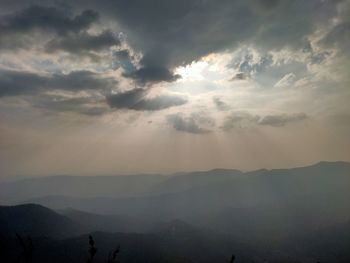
x=83 y=42
x=152 y=75
x=318 y=58
x=17 y=28
x=267 y=69
x=282 y=120
x=239 y=76
x=220 y=105
x=17 y=83
x=184 y=31
x=136 y=99
x=192 y=124
x=90 y=106
x=123 y=59
x=243 y=120
x=338 y=36
x=81 y=80
x=239 y=120
x=47 y=18
x=248 y=65
x=14 y=83
x=123 y=54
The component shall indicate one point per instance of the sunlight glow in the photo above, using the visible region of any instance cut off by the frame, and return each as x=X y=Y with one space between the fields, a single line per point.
x=192 y=71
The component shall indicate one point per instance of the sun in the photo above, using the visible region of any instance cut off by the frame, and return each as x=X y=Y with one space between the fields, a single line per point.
x=193 y=71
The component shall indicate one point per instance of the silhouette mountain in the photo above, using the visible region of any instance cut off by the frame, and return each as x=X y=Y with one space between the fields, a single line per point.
x=36 y=220
x=297 y=213
x=173 y=241
x=327 y=244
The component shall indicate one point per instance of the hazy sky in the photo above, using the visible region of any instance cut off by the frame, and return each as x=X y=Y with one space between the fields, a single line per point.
x=111 y=87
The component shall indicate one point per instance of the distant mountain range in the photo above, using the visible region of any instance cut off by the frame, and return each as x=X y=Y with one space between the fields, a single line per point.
x=77 y=186
x=174 y=241
x=301 y=179
x=260 y=210
x=228 y=200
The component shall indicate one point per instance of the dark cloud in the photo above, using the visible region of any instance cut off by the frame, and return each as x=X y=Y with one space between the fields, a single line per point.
x=48 y=18
x=172 y=33
x=191 y=124
x=220 y=105
x=239 y=76
x=152 y=75
x=81 y=80
x=184 y=31
x=17 y=28
x=17 y=83
x=245 y=119
x=83 y=42
x=137 y=99
x=14 y=83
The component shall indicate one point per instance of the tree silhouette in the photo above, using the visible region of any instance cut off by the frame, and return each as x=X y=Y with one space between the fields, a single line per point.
x=92 y=250
x=112 y=257
x=27 y=249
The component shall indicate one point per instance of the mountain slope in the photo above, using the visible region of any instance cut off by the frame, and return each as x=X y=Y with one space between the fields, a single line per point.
x=176 y=242
x=36 y=220
x=328 y=244
x=109 y=223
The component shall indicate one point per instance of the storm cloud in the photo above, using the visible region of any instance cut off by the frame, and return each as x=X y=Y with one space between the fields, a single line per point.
x=47 y=18
x=17 y=28
x=83 y=42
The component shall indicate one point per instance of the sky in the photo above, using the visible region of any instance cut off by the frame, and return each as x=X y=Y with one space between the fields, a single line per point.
x=161 y=86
